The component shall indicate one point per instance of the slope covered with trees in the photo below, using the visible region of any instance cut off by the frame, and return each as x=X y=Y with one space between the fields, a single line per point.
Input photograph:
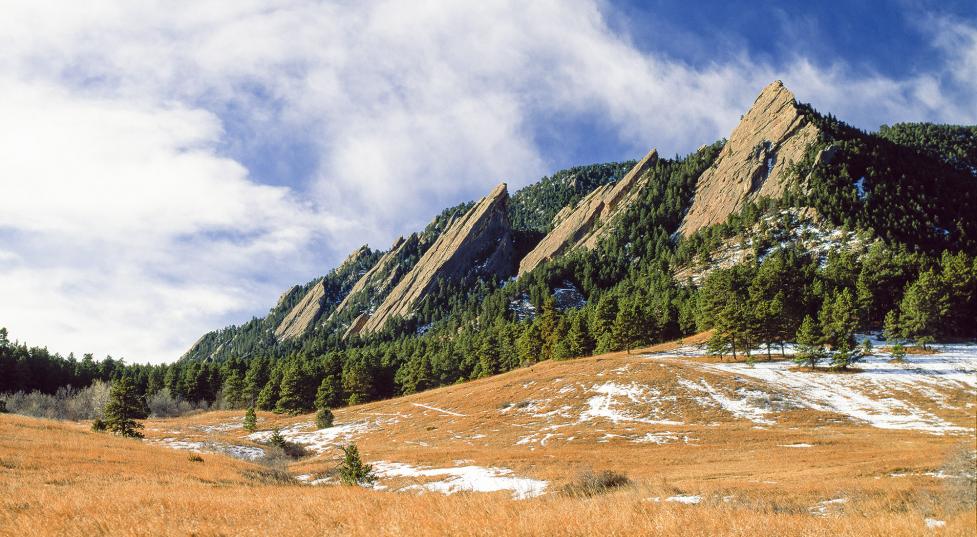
x=906 y=191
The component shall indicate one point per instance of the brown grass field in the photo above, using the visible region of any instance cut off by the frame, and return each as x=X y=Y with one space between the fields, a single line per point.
x=57 y=478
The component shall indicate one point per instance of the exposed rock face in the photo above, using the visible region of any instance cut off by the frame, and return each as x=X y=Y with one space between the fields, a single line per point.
x=754 y=162
x=357 y=325
x=585 y=224
x=301 y=317
x=380 y=278
x=480 y=241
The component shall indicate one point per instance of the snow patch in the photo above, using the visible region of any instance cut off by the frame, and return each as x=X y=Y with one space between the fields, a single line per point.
x=436 y=409
x=317 y=440
x=463 y=478
x=686 y=499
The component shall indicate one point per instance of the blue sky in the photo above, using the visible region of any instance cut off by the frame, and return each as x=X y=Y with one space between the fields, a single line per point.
x=170 y=168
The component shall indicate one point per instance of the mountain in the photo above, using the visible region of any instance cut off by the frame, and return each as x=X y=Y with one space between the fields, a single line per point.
x=796 y=215
x=478 y=242
x=584 y=224
x=774 y=134
x=300 y=318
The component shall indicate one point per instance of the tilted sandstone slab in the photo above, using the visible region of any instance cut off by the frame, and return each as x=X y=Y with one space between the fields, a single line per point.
x=480 y=241
x=381 y=276
x=754 y=162
x=585 y=224
x=301 y=317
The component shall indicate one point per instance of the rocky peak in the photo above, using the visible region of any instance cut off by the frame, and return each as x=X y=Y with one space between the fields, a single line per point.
x=379 y=279
x=769 y=138
x=583 y=225
x=480 y=241
x=304 y=314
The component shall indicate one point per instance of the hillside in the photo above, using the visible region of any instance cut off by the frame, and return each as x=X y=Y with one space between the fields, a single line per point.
x=713 y=447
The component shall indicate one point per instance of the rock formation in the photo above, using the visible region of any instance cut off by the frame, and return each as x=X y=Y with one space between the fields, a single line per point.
x=380 y=278
x=583 y=225
x=479 y=241
x=304 y=314
x=754 y=162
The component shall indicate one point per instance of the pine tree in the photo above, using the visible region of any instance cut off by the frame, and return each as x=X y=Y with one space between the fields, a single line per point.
x=357 y=380
x=549 y=320
x=250 y=420
x=579 y=342
x=530 y=344
x=254 y=380
x=352 y=471
x=602 y=321
x=324 y=418
x=923 y=308
x=233 y=390
x=488 y=355
x=292 y=397
x=123 y=408
x=268 y=396
x=810 y=352
x=329 y=394
x=627 y=327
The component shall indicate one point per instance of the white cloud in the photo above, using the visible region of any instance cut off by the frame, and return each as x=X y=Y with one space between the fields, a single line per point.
x=131 y=224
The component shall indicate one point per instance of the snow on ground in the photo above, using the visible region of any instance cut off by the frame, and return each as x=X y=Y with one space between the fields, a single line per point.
x=686 y=499
x=248 y=453
x=220 y=427
x=319 y=440
x=796 y=445
x=613 y=397
x=463 y=478
x=745 y=408
x=934 y=523
x=436 y=409
x=827 y=507
x=856 y=395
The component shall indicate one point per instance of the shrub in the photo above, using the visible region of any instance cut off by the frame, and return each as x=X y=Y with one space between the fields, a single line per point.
x=98 y=425
x=898 y=353
x=195 y=458
x=3 y=406
x=352 y=471
x=250 y=420
x=290 y=449
x=594 y=483
x=323 y=418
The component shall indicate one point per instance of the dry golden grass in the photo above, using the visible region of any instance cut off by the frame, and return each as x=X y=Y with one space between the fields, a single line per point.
x=61 y=479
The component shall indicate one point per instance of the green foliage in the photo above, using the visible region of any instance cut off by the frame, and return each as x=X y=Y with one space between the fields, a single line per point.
x=276 y=439
x=352 y=470
x=810 y=351
x=323 y=418
x=124 y=406
x=250 y=420
x=233 y=390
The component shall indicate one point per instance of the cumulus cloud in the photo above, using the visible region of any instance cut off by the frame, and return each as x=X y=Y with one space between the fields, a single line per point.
x=132 y=218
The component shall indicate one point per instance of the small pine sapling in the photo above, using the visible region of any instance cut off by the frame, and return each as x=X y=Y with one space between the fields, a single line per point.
x=352 y=471
x=323 y=418
x=250 y=420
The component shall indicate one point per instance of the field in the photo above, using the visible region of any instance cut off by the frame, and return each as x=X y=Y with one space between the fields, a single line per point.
x=712 y=448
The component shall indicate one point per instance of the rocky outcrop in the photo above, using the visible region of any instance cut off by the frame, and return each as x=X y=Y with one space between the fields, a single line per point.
x=301 y=317
x=754 y=162
x=585 y=224
x=357 y=325
x=479 y=241
x=308 y=310
x=380 y=278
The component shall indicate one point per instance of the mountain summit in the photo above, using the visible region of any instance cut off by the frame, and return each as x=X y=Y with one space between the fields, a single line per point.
x=772 y=135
